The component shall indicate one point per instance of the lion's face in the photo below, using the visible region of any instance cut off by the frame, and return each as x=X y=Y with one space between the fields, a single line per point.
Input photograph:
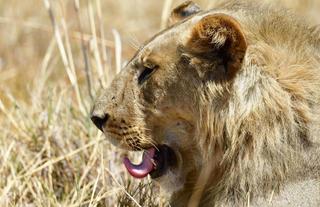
x=153 y=103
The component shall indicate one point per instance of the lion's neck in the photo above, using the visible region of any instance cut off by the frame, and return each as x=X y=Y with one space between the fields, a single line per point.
x=265 y=136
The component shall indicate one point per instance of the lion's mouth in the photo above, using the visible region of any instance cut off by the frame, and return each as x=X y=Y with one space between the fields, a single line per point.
x=155 y=162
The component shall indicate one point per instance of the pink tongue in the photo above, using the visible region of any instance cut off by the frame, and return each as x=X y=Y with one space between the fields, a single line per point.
x=144 y=168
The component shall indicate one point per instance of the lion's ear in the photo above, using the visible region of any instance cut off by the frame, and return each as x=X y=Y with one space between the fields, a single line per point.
x=222 y=36
x=183 y=11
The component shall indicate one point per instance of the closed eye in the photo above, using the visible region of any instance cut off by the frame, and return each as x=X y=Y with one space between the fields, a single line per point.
x=145 y=74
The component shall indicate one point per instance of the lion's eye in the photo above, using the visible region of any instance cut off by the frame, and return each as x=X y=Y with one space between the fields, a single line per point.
x=146 y=73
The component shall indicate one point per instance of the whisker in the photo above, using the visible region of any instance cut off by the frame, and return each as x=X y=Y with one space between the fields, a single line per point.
x=134 y=144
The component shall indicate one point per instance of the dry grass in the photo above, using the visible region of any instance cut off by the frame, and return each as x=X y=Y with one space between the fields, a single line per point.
x=55 y=55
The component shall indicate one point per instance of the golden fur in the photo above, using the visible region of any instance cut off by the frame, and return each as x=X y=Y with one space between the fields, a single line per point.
x=235 y=91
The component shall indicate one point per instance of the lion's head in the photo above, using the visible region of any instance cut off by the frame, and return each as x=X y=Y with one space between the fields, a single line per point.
x=155 y=102
x=197 y=95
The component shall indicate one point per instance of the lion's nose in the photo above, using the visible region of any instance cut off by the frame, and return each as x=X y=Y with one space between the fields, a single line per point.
x=100 y=120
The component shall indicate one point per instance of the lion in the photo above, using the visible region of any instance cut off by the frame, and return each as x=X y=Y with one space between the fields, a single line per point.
x=225 y=104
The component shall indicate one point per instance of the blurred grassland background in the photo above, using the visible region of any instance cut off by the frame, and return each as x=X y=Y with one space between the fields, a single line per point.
x=55 y=56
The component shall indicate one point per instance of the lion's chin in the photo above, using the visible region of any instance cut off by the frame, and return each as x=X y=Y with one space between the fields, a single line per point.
x=173 y=179
x=167 y=161
x=171 y=182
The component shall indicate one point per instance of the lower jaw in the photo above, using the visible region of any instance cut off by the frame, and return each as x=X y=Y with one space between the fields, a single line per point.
x=166 y=158
x=171 y=182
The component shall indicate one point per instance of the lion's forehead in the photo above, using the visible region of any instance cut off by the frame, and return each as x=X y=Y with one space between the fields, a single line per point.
x=181 y=32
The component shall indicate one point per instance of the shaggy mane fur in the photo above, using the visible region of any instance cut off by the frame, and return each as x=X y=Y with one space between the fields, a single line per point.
x=264 y=123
